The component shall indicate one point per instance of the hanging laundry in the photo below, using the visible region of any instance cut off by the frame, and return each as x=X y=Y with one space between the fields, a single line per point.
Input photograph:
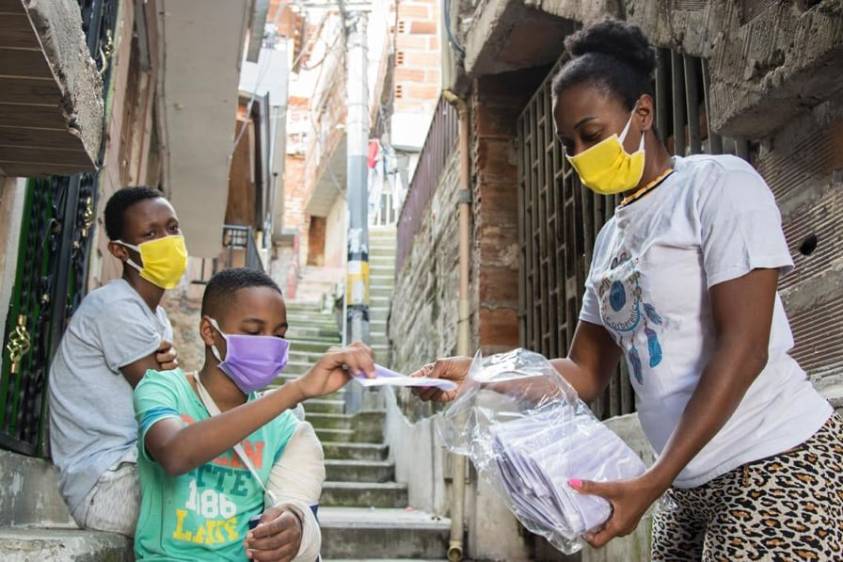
x=376 y=177
x=374 y=152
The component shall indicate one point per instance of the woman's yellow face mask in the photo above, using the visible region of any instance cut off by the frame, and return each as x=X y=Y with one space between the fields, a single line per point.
x=605 y=166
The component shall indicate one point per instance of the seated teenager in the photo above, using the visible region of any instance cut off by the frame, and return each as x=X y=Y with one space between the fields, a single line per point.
x=208 y=441
x=117 y=334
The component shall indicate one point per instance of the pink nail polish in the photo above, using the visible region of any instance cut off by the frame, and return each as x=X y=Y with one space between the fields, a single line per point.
x=575 y=483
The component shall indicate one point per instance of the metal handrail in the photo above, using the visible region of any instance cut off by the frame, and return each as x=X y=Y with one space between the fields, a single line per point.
x=439 y=147
x=237 y=237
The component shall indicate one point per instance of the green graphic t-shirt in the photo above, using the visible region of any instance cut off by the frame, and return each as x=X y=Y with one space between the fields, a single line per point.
x=203 y=514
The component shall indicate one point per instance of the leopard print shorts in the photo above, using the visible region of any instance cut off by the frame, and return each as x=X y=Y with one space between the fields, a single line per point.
x=784 y=508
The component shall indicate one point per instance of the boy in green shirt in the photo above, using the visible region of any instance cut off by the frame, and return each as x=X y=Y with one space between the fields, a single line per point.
x=199 y=489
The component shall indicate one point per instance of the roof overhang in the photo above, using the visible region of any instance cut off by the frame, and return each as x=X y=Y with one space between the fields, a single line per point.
x=51 y=108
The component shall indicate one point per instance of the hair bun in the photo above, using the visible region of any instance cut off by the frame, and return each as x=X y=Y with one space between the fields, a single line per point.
x=620 y=40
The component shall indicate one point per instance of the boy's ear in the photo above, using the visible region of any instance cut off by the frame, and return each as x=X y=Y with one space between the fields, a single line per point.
x=207 y=331
x=119 y=251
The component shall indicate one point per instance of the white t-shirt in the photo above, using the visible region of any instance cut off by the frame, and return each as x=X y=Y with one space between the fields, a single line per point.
x=92 y=420
x=714 y=219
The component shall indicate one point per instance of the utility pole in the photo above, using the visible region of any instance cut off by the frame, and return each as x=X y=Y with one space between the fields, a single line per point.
x=357 y=137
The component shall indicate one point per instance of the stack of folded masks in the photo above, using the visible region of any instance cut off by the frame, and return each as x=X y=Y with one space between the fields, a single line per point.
x=538 y=453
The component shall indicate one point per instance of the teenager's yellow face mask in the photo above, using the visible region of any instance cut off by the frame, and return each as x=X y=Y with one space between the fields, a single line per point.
x=607 y=168
x=164 y=260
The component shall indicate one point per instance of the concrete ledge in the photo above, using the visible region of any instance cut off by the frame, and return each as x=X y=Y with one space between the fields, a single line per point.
x=363 y=494
x=59 y=27
x=766 y=67
x=63 y=545
x=384 y=532
x=30 y=493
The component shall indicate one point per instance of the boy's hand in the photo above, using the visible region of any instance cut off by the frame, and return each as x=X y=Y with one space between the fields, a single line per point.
x=452 y=368
x=277 y=538
x=167 y=356
x=335 y=369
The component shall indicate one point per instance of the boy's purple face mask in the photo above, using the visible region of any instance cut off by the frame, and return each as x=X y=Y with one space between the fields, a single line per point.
x=251 y=362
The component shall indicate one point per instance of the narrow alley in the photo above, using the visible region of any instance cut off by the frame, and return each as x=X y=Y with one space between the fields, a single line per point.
x=218 y=216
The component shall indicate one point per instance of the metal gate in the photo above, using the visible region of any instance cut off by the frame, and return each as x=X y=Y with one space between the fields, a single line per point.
x=559 y=219
x=55 y=243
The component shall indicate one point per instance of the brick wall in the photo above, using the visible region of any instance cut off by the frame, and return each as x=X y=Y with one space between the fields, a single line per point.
x=288 y=260
x=423 y=323
x=417 y=65
x=496 y=102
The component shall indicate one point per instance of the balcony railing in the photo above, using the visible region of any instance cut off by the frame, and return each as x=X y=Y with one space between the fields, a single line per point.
x=239 y=247
x=439 y=146
x=239 y=250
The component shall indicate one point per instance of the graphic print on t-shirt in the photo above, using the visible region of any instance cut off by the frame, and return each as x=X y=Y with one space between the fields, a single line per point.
x=624 y=312
x=219 y=496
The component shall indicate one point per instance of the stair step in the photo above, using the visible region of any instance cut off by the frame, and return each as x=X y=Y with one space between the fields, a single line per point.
x=363 y=494
x=382 y=534
x=307 y=359
x=292 y=372
x=313 y=345
x=335 y=435
x=316 y=316
x=338 y=396
x=329 y=421
x=359 y=471
x=355 y=451
x=304 y=357
x=304 y=307
x=322 y=406
x=19 y=544
x=379 y=309
x=328 y=326
x=347 y=429
x=306 y=332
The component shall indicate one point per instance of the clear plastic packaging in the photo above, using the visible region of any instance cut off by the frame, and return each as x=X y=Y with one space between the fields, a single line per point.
x=528 y=433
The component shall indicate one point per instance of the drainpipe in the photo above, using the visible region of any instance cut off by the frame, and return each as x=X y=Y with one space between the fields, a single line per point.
x=455 y=548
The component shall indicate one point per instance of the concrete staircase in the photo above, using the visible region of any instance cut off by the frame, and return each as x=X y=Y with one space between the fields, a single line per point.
x=364 y=513
x=381 y=285
x=35 y=524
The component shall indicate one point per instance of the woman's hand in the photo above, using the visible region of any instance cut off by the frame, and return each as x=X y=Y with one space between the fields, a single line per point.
x=451 y=368
x=335 y=369
x=630 y=499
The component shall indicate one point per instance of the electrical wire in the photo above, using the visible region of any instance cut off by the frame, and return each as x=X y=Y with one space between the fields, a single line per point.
x=262 y=76
x=451 y=38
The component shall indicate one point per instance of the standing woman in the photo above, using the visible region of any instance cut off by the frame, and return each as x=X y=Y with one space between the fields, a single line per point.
x=683 y=287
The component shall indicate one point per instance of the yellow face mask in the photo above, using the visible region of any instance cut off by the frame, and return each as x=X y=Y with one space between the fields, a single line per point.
x=607 y=168
x=164 y=260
